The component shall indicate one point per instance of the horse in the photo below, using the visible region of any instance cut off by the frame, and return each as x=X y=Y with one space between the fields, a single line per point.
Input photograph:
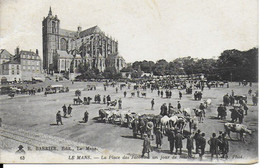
x=240 y=129
x=132 y=94
x=143 y=94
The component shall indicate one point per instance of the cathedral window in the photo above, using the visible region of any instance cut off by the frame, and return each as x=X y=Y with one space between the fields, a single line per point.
x=53 y=27
x=63 y=44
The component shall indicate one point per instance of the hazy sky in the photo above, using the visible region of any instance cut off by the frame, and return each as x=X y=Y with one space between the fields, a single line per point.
x=145 y=29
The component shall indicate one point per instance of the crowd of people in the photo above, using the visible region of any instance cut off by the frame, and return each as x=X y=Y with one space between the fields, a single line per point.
x=196 y=141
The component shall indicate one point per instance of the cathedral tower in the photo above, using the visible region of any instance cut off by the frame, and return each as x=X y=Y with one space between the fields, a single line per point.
x=50 y=40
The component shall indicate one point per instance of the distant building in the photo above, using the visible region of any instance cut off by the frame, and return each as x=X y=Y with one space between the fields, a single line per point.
x=11 y=70
x=30 y=63
x=24 y=65
x=5 y=56
x=66 y=49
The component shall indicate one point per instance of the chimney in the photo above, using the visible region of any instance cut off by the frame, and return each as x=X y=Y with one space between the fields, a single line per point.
x=17 y=51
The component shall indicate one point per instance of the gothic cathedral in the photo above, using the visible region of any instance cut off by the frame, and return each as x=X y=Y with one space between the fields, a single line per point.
x=64 y=50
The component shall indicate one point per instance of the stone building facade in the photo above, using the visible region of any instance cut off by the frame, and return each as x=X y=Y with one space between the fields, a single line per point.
x=5 y=56
x=11 y=70
x=30 y=63
x=66 y=49
x=23 y=65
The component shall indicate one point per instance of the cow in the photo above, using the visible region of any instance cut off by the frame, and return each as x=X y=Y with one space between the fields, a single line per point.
x=207 y=102
x=113 y=103
x=240 y=129
x=77 y=101
x=240 y=98
x=164 y=123
x=199 y=113
x=187 y=112
x=103 y=114
x=193 y=123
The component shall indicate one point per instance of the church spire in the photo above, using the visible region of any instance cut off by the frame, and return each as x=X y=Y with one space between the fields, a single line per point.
x=50 y=12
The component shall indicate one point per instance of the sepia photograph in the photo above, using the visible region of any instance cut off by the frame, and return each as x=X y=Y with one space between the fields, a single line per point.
x=129 y=81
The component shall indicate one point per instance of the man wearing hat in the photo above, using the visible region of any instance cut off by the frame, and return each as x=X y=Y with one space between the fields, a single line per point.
x=202 y=145
x=158 y=137
x=85 y=118
x=20 y=151
x=197 y=137
x=58 y=118
x=171 y=138
x=179 y=105
x=189 y=145
x=213 y=142
x=178 y=141
x=146 y=146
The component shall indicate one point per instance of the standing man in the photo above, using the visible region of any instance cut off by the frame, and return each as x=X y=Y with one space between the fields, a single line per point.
x=189 y=145
x=116 y=89
x=135 y=128
x=108 y=100
x=64 y=110
x=119 y=103
x=202 y=145
x=152 y=103
x=58 y=118
x=171 y=138
x=213 y=142
x=138 y=93
x=85 y=119
x=124 y=93
x=178 y=142
x=158 y=92
x=158 y=137
x=202 y=108
x=245 y=108
x=161 y=94
x=180 y=95
x=197 y=137
x=225 y=146
x=146 y=146
x=69 y=110
x=232 y=93
x=104 y=99
x=179 y=105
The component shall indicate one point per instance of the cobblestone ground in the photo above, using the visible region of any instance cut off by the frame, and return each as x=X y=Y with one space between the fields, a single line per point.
x=37 y=114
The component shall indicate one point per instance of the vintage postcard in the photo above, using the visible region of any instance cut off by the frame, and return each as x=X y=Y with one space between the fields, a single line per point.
x=129 y=81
